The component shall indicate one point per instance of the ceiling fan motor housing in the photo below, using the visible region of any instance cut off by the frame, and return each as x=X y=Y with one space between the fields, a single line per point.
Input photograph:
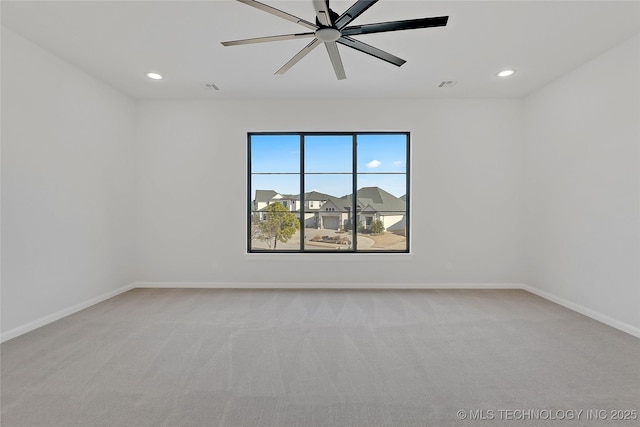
x=328 y=34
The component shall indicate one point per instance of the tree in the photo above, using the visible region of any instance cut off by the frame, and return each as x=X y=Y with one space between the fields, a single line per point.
x=279 y=224
x=256 y=232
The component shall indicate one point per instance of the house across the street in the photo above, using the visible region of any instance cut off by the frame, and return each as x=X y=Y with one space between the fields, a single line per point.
x=325 y=211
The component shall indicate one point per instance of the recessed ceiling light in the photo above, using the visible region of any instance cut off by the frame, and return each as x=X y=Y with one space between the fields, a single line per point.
x=154 y=76
x=506 y=73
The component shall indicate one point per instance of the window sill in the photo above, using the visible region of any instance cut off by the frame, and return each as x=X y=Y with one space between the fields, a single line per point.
x=329 y=257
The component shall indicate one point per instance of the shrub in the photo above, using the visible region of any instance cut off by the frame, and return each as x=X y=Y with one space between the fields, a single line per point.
x=377 y=226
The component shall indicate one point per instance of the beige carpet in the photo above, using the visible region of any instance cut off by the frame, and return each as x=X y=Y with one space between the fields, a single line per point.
x=178 y=358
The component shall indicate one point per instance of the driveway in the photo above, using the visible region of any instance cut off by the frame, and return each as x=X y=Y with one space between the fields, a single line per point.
x=310 y=233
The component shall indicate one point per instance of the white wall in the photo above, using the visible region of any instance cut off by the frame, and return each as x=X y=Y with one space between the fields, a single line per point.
x=583 y=187
x=467 y=190
x=67 y=178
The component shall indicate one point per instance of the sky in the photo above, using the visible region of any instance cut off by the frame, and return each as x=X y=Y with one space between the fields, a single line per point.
x=328 y=160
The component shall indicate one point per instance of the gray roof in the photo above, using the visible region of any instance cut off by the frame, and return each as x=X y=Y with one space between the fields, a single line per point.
x=380 y=200
x=343 y=202
x=316 y=196
x=376 y=197
x=265 y=195
x=312 y=195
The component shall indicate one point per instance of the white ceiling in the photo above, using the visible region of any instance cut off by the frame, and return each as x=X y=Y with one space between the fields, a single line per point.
x=119 y=41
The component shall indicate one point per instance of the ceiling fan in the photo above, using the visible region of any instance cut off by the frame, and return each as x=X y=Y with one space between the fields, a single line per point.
x=331 y=28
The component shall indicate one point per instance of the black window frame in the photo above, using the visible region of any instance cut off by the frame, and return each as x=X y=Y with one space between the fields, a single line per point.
x=354 y=174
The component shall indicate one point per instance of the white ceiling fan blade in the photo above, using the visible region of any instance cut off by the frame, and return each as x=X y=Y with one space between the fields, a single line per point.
x=336 y=61
x=279 y=13
x=267 y=39
x=293 y=61
x=322 y=12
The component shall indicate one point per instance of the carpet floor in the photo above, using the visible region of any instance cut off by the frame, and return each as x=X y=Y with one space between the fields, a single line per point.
x=312 y=358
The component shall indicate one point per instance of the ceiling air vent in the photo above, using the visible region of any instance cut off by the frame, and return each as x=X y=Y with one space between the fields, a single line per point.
x=210 y=86
x=447 y=83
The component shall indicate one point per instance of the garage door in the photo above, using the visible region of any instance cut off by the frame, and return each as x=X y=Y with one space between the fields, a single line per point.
x=330 y=222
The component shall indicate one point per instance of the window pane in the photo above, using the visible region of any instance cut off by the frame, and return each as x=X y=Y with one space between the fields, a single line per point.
x=381 y=217
x=393 y=236
x=382 y=153
x=275 y=230
x=396 y=185
x=337 y=185
x=330 y=153
x=268 y=186
x=275 y=153
x=327 y=212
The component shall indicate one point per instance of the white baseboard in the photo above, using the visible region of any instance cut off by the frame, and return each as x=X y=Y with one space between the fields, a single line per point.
x=60 y=314
x=632 y=330
x=329 y=285
x=624 y=327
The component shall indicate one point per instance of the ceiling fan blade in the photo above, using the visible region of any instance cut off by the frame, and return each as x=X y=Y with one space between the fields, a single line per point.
x=279 y=13
x=267 y=39
x=322 y=12
x=409 y=24
x=336 y=61
x=353 y=12
x=373 y=51
x=293 y=61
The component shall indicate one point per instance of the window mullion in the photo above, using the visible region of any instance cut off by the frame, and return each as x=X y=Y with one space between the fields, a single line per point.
x=249 y=194
x=407 y=198
x=301 y=192
x=354 y=193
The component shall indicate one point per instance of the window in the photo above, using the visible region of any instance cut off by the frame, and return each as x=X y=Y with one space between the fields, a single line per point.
x=346 y=192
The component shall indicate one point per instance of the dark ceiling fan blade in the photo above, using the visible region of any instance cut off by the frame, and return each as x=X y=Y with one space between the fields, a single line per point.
x=336 y=61
x=353 y=12
x=268 y=39
x=279 y=13
x=370 y=50
x=409 y=24
x=293 y=61
x=322 y=12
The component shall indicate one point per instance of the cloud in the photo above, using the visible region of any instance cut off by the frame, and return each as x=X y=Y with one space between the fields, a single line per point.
x=397 y=163
x=373 y=164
